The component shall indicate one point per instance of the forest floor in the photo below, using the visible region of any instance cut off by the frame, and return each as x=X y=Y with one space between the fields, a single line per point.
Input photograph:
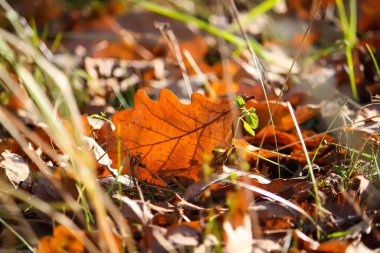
x=197 y=126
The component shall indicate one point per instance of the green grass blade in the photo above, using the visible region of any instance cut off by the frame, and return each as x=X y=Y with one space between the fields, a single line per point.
x=237 y=41
x=353 y=21
x=351 y=72
x=343 y=17
x=373 y=59
x=260 y=9
x=17 y=235
x=349 y=34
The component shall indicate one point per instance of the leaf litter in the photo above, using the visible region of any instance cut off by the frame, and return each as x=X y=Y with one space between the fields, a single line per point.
x=199 y=173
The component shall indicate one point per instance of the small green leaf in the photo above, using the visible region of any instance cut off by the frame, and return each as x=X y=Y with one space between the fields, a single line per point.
x=248 y=128
x=251 y=118
x=239 y=102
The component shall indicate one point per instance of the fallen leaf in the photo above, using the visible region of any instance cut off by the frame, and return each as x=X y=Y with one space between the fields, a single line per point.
x=135 y=212
x=359 y=247
x=266 y=245
x=155 y=239
x=63 y=240
x=313 y=140
x=219 y=188
x=304 y=241
x=289 y=146
x=166 y=219
x=331 y=246
x=271 y=136
x=185 y=234
x=282 y=118
x=103 y=161
x=273 y=215
x=167 y=137
x=66 y=240
x=253 y=152
x=16 y=168
x=362 y=190
x=221 y=89
x=51 y=191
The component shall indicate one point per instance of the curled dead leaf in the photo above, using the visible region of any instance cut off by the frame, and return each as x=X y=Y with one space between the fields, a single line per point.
x=135 y=212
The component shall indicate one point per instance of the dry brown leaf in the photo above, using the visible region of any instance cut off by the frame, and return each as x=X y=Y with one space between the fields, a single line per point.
x=272 y=136
x=167 y=137
x=293 y=150
x=217 y=191
x=187 y=234
x=135 y=212
x=331 y=246
x=252 y=153
x=16 y=168
x=275 y=216
x=364 y=192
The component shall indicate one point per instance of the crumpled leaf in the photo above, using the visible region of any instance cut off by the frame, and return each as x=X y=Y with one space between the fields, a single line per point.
x=104 y=163
x=16 y=168
x=168 y=138
x=251 y=145
x=135 y=212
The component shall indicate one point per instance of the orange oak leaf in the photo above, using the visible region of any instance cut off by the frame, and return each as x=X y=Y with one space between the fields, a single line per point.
x=166 y=138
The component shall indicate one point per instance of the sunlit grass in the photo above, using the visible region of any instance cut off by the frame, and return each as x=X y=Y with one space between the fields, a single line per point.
x=348 y=26
x=39 y=105
x=228 y=36
x=375 y=63
x=255 y=12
